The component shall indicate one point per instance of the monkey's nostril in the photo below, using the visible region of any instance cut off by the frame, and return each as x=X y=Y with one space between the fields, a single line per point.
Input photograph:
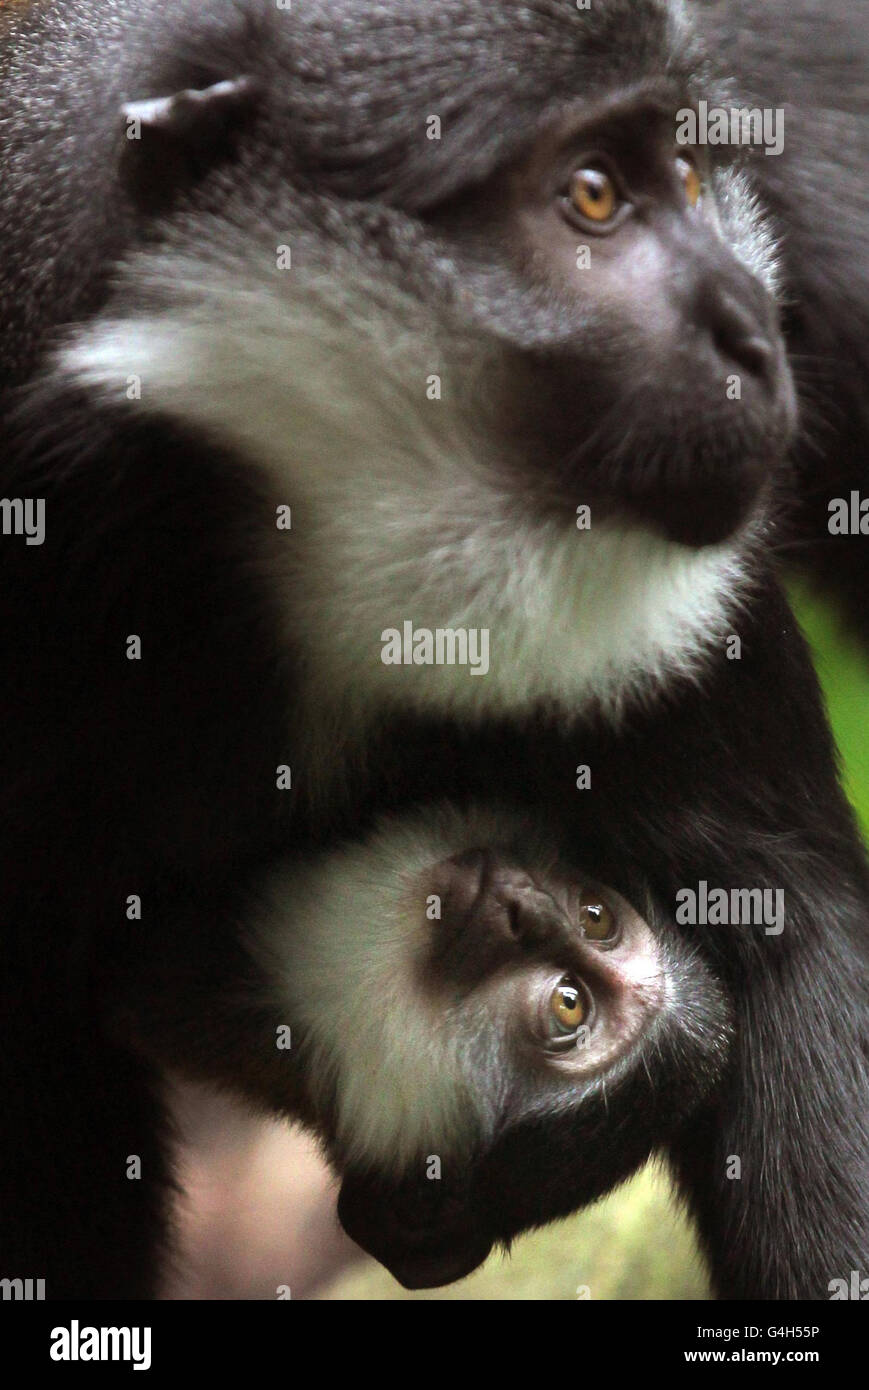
x=755 y=354
x=738 y=334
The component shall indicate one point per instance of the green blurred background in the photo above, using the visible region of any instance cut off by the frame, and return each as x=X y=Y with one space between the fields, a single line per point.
x=636 y=1244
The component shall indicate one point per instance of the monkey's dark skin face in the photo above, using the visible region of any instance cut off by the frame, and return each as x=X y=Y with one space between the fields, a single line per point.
x=570 y=1003
x=610 y=235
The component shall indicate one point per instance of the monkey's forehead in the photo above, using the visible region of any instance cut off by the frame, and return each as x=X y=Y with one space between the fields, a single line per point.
x=356 y=81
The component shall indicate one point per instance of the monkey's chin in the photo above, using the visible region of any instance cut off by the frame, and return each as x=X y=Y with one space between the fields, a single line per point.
x=419 y=1254
x=706 y=516
x=421 y=1271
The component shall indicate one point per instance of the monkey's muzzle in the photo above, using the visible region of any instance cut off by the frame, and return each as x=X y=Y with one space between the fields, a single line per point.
x=422 y=1232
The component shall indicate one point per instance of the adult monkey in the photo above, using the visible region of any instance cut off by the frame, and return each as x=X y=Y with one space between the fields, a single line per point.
x=286 y=224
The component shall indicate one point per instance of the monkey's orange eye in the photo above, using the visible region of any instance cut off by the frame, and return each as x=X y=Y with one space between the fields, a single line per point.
x=594 y=195
x=568 y=1006
x=597 y=921
x=691 y=181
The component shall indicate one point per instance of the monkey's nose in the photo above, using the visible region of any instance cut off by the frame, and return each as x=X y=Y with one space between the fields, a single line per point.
x=738 y=335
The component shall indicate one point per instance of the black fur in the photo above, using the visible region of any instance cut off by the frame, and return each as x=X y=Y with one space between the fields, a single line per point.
x=811 y=60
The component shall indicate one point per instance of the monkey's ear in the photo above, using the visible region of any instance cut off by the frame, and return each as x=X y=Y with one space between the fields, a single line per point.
x=171 y=142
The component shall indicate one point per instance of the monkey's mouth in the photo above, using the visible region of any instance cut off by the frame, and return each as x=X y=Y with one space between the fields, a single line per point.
x=423 y=1237
x=707 y=490
x=709 y=514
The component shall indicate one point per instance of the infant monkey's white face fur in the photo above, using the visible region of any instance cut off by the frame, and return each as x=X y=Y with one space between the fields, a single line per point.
x=446 y=994
x=387 y=387
x=446 y=967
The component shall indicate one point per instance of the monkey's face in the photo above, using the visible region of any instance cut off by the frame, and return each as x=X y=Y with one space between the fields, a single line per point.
x=595 y=296
x=643 y=360
x=565 y=1008
x=447 y=356
x=510 y=1044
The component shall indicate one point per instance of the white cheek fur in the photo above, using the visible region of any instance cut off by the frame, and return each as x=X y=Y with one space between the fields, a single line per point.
x=401 y=511
x=402 y=1072
x=339 y=939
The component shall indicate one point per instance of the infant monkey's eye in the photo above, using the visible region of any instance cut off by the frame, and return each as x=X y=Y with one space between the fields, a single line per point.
x=594 y=195
x=597 y=921
x=690 y=179
x=568 y=1006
